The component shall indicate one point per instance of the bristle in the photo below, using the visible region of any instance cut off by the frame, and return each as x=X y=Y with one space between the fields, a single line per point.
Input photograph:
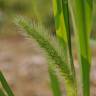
x=50 y=45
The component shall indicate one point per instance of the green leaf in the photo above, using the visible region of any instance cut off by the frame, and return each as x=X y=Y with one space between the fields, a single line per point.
x=59 y=20
x=68 y=32
x=5 y=85
x=2 y=93
x=62 y=23
x=81 y=11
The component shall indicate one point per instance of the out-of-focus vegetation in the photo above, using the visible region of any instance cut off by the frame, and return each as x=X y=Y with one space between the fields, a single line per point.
x=38 y=10
x=94 y=21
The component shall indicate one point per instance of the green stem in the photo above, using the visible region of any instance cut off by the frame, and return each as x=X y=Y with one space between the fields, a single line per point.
x=2 y=93
x=68 y=32
x=5 y=85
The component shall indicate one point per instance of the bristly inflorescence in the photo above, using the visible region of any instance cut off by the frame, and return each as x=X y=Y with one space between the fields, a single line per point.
x=51 y=46
x=41 y=35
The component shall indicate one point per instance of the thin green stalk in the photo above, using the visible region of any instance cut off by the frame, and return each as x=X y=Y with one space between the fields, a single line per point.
x=5 y=85
x=2 y=93
x=68 y=32
x=61 y=14
x=81 y=15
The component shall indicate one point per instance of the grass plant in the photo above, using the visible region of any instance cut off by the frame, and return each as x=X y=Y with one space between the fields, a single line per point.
x=58 y=49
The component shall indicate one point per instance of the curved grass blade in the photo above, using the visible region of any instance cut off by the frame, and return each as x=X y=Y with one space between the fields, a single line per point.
x=5 y=85
x=82 y=15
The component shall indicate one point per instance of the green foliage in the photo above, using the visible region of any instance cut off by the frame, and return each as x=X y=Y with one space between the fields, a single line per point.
x=62 y=23
x=52 y=48
x=59 y=20
x=82 y=17
x=58 y=49
x=2 y=93
x=5 y=86
x=83 y=11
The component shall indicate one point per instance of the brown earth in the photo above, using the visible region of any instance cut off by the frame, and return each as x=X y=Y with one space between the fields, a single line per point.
x=25 y=67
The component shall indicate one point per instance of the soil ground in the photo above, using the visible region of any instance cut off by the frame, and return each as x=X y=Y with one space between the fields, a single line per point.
x=25 y=67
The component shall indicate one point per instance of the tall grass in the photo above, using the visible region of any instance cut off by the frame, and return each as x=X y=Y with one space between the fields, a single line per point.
x=81 y=13
x=62 y=24
x=59 y=48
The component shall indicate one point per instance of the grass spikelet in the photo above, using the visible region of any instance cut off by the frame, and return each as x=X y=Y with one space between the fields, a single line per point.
x=51 y=46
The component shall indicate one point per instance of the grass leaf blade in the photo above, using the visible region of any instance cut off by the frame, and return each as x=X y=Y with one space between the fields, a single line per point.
x=2 y=93
x=81 y=15
x=61 y=14
x=68 y=32
x=59 y=20
x=5 y=85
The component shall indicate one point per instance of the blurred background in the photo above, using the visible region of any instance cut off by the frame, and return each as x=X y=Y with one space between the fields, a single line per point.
x=21 y=59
